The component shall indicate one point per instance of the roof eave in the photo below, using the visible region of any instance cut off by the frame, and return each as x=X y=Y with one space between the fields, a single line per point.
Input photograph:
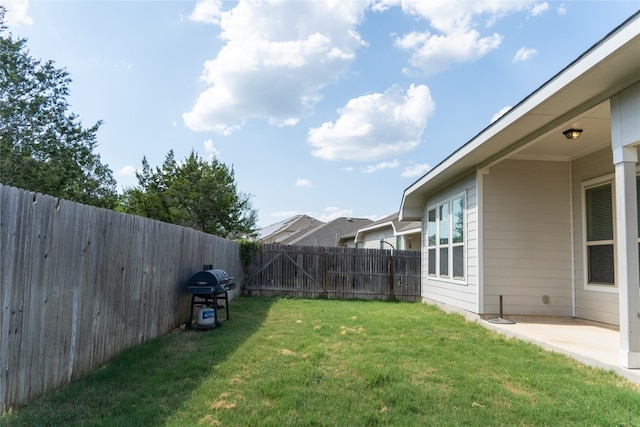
x=492 y=142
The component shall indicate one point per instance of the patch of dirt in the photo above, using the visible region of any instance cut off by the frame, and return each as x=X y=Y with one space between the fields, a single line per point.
x=223 y=403
x=346 y=330
x=236 y=380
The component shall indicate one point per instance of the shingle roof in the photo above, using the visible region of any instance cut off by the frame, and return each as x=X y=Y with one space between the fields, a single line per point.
x=397 y=224
x=284 y=230
x=329 y=233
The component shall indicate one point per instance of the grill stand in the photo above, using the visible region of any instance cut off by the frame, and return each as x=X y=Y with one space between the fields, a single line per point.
x=208 y=300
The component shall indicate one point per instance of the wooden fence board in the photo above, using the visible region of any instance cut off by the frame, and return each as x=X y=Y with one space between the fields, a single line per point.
x=336 y=273
x=80 y=284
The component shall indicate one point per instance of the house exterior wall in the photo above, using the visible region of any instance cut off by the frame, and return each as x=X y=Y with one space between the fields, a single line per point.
x=527 y=238
x=454 y=294
x=591 y=303
x=372 y=238
x=411 y=242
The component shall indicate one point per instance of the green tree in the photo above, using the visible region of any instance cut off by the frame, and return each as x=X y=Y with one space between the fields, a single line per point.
x=43 y=147
x=195 y=193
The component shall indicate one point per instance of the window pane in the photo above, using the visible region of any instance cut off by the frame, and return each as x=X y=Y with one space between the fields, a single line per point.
x=444 y=262
x=432 y=227
x=431 y=261
x=458 y=262
x=443 y=217
x=601 y=264
x=458 y=220
x=638 y=202
x=599 y=213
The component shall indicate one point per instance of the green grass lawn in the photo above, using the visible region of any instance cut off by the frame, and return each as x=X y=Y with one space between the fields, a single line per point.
x=281 y=362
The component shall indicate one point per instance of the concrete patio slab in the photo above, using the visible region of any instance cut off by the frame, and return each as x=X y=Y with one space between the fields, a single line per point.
x=591 y=343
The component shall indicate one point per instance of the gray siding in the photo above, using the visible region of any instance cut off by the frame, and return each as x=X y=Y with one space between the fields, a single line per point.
x=411 y=242
x=372 y=238
x=461 y=295
x=590 y=304
x=527 y=238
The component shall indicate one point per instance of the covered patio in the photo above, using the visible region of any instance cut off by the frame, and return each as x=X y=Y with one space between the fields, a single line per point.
x=542 y=207
x=594 y=344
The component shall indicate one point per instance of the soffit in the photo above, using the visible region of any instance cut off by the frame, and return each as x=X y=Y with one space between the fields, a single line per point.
x=576 y=97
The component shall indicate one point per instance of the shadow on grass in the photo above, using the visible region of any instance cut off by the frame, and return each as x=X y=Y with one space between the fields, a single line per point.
x=145 y=385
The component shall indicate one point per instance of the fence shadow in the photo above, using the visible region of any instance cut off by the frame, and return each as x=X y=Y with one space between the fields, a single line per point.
x=145 y=385
x=81 y=284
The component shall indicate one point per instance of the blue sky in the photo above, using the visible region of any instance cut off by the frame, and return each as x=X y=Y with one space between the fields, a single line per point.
x=326 y=108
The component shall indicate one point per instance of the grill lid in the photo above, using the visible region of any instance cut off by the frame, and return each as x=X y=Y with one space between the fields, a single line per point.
x=215 y=277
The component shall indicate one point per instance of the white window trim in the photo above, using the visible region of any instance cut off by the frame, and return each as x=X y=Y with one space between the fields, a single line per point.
x=451 y=245
x=612 y=289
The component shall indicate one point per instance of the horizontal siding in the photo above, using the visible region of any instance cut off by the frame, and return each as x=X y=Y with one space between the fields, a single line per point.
x=590 y=304
x=372 y=238
x=602 y=309
x=527 y=238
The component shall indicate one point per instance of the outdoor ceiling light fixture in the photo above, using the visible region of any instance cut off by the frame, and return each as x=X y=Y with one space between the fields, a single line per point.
x=572 y=133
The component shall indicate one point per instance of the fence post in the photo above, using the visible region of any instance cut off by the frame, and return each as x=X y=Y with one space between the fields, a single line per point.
x=324 y=276
x=392 y=273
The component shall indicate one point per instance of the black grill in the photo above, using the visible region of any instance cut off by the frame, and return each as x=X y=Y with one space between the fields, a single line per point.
x=210 y=281
x=206 y=288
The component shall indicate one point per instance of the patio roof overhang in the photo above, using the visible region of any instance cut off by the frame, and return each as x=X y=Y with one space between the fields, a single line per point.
x=578 y=97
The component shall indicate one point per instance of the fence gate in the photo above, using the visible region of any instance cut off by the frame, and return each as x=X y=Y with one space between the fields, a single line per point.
x=335 y=273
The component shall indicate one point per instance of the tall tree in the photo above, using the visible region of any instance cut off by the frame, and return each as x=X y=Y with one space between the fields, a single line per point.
x=194 y=193
x=43 y=147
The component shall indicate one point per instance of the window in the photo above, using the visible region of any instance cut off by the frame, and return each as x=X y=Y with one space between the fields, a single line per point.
x=600 y=244
x=445 y=239
x=457 y=233
x=599 y=205
x=431 y=243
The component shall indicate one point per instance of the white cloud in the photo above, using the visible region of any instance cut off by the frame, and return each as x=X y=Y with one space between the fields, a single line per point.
x=417 y=169
x=207 y=11
x=277 y=57
x=302 y=182
x=375 y=126
x=436 y=53
x=330 y=213
x=210 y=151
x=452 y=36
x=126 y=64
x=523 y=54
x=562 y=10
x=17 y=12
x=384 y=165
x=127 y=171
x=500 y=113
x=539 y=9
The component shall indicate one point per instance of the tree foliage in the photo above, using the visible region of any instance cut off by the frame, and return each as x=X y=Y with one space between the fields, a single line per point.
x=43 y=147
x=194 y=193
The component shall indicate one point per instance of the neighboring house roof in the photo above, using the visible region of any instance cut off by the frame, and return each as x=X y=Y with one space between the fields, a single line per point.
x=399 y=227
x=408 y=227
x=328 y=234
x=577 y=95
x=283 y=230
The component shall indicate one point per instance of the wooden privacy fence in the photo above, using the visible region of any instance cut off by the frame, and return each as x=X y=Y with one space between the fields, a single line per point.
x=334 y=273
x=80 y=284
